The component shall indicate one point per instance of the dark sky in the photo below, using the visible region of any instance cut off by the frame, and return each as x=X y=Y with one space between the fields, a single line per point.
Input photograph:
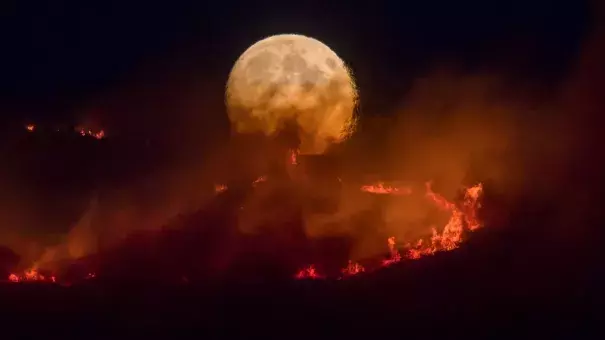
x=57 y=55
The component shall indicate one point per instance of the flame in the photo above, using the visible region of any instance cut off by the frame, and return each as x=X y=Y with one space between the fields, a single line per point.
x=381 y=188
x=100 y=134
x=449 y=239
x=218 y=188
x=395 y=256
x=31 y=274
x=294 y=157
x=88 y=132
x=259 y=180
x=353 y=268
x=463 y=216
x=308 y=273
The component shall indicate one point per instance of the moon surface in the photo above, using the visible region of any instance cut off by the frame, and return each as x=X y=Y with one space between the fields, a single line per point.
x=291 y=78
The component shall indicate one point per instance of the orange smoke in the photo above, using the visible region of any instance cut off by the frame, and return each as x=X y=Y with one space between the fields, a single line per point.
x=461 y=218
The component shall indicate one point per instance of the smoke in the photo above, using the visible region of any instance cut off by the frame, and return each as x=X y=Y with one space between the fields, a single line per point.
x=452 y=130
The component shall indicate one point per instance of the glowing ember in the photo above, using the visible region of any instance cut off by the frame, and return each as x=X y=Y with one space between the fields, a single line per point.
x=381 y=188
x=99 y=135
x=31 y=275
x=308 y=273
x=471 y=205
x=395 y=256
x=353 y=268
x=294 y=157
x=259 y=180
x=218 y=188
x=87 y=132
x=30 y=127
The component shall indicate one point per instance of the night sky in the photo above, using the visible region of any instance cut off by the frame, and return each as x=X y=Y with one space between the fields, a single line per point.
x=61 y=56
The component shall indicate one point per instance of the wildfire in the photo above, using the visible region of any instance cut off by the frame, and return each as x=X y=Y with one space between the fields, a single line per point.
x=308 y=273
x=395 y=256
x=450 y=238
x=294 y=157
x=463 y=217
x=353 y=268
x=98 y=135
x=31 y=275
x=259 y=180
x=381 y=188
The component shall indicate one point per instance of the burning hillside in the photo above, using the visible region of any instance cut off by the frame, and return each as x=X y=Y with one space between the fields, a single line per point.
x=462 y=219
x=82 y=131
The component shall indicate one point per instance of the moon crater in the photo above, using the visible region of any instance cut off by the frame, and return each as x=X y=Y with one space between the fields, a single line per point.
x=292 y=78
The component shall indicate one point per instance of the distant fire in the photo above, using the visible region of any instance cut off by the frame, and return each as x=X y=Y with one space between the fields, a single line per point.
x=98 y=134
x=293 y=157
x=463 y=216
x=381 y=188
x=31 y=275
x=261 y=179
x=395 y=256
x=353 y=268
x=308 y=273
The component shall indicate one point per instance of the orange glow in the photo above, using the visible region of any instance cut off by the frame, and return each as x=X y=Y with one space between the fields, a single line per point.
x=463 y=216
x=395 y=256
x=381 y=188
x=30 y=127
x=259 y=180
x=449 y=238
x=353 y=268
x=100 y=134
x=31 y=275
x=294 y=157
x=308 y=273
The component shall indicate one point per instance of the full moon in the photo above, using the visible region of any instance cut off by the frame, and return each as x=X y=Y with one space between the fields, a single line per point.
x=291 y=78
